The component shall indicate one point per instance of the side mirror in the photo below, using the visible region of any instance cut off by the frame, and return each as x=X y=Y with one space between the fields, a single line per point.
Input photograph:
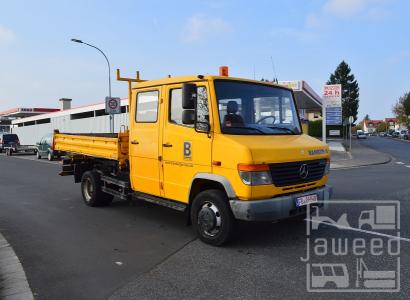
x=189 y=96
x=202 y=127
x=188 y=116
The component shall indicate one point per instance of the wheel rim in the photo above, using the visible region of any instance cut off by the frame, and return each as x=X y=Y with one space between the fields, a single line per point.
x=209 y=219
x=88 y=189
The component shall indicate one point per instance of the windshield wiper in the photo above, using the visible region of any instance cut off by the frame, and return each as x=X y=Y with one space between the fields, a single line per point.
x=245 y=127
x=282 y=128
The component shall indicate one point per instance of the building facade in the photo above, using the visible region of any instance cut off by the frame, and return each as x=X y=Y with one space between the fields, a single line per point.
x=87 y=119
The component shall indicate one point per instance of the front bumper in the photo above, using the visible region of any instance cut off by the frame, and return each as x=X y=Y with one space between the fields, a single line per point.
x=281 y=207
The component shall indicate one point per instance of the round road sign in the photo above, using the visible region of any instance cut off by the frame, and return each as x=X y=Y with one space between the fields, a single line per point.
x=112 y=103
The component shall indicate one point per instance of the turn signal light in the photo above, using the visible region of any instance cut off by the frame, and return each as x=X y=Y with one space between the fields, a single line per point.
x=253 y=168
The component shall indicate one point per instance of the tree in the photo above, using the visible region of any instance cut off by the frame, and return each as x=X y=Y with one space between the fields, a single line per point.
x=350 y=89
x=382 y=127
x=402 y=110
x=366 y=117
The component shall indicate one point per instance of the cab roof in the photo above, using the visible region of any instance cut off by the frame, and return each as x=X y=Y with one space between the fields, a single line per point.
x=196 y=78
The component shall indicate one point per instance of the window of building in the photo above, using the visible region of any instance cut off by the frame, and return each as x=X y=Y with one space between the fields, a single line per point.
x=83 y=115
x=100 y=112
x=29 y=123
x=147 y=107
x=44 y=121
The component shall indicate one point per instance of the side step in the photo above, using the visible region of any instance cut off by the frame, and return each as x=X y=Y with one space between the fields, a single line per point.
x=161 y=201
x=115 y=187
x=114 y=193
x=115 y=181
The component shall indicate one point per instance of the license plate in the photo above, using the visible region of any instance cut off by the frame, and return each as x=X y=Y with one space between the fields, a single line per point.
x=305 y=200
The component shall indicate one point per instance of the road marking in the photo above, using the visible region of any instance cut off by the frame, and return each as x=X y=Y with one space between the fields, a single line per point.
x=399 y=163
x=407 y=166
x=361 y=230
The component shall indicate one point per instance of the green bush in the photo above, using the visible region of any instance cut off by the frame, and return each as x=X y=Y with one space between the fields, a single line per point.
x=315 y=129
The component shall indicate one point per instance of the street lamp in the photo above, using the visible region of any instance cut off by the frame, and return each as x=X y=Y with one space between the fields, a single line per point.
x=109 y=77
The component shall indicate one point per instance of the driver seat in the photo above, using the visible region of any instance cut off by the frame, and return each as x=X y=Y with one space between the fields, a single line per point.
x=231 y=118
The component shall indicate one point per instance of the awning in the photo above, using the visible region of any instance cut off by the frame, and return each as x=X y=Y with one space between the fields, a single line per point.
x=306 y=97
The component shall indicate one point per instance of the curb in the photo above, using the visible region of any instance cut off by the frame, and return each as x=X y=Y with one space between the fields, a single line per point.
x=13 y=280
x=388 y=160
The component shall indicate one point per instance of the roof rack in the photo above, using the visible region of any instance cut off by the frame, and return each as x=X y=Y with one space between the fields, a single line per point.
x=130 y=81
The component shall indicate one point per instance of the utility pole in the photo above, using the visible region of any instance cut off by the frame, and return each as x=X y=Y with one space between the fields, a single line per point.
x=109 y=77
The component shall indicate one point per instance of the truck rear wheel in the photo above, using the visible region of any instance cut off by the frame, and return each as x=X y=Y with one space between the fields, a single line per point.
x=91 y=190
x=212 y=218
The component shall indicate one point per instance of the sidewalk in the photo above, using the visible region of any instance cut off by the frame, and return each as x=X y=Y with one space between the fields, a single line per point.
x=358 y=157
x=13 y=281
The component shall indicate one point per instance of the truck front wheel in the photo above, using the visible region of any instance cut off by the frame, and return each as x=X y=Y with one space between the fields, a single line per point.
x=212 y=218
x=91 y=190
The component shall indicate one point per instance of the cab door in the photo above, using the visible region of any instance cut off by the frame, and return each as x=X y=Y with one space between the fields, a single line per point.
x=185 y=151
x=144 y=141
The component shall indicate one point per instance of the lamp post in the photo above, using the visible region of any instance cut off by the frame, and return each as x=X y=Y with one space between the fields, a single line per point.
x=109 y=76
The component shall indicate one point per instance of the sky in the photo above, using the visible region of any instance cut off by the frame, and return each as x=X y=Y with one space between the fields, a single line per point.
x=305 y=39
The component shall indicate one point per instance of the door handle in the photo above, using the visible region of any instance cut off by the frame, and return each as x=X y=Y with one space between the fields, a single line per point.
x=134 y=142
x=167 y=145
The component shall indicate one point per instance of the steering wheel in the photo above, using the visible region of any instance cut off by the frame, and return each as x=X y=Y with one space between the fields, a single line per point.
x=266 y=117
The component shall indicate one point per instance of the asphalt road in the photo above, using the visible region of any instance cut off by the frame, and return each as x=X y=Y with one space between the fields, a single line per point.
x=70 y=251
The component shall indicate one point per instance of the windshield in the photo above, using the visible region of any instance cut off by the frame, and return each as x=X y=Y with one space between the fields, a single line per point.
x=251 y=108
x=10 y=138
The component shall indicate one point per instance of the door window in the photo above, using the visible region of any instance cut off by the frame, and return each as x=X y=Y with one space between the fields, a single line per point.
x=147 y=107
x=175 y=114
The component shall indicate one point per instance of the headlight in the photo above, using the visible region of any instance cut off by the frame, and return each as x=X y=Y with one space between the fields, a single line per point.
x=255 y=174
x=327 y=167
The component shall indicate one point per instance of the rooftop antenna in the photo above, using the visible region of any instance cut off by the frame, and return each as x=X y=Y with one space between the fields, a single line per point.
x=254 y=72
x=275 y=76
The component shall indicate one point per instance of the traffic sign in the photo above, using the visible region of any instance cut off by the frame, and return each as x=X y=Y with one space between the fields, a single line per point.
x=333 y=116
x=112 y=105
x=332 y=103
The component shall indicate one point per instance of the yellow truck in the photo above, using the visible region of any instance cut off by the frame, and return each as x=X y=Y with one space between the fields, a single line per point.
x=219 y=148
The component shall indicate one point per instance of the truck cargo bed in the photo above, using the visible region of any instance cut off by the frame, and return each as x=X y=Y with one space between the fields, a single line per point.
x=113 y=146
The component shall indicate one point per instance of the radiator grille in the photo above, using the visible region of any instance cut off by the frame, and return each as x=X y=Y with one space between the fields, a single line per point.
x=291 y=173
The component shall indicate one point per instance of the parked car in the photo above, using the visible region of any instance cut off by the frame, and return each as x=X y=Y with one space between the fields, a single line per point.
x=382 y=134
x=45 y=148
x=395 y=134
x=402 y=134
x=8 y=139
x=361 y=134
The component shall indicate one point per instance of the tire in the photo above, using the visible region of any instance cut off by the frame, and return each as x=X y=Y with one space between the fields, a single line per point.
x=50 y=156
x=91 y=190
x=38 y=155
x=210 y=208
